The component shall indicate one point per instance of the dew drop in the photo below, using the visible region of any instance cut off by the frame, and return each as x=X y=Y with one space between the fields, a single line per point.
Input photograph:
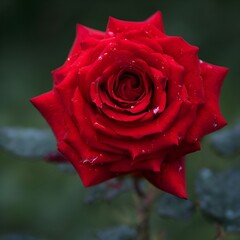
x=180 y=168
x=91 y=160
x=111 y=34
x=195 y=139
x=68 y=59
x=200 y=61
x=100 y=58
x=143 y=151
x=155 y=110
x=132 y=107
x=86 y=161
x=214 y=124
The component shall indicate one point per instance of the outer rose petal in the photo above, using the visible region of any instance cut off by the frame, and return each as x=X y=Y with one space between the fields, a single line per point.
x=49 y=105
x=187 y=56
x=209 y=117
x=89 y=174
x=85 y=37
x=171 y=178
x=119 y=26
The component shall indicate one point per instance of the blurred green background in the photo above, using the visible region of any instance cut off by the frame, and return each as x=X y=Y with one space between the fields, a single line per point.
x=37 y=199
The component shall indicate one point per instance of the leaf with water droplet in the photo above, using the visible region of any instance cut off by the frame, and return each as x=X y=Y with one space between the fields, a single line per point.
x=174 y=207
x=27 y=142
x=219 y=197
x=227 y=142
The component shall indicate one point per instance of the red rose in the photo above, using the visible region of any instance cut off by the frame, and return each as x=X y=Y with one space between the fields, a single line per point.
x=132 y=100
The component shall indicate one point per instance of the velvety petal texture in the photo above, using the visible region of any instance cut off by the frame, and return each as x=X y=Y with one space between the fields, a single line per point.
x=132 y=100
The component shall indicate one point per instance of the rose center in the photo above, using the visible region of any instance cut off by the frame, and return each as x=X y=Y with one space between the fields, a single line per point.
x=129 y=87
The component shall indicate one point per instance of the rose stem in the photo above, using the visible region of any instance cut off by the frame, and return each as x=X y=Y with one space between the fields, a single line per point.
x=144 y=202
x=220 y=232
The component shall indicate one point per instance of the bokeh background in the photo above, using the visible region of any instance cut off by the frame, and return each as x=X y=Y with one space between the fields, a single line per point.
x=35 y=198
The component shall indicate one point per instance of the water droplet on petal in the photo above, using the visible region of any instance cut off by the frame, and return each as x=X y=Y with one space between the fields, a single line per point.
x=143 y=151
x=180 y=168
x=100 y=58
x=91 y=160
x=86 y=161
x=111 y=34
x=155 y=110
x=132 y=107
x=215 y=124
x=195 y=139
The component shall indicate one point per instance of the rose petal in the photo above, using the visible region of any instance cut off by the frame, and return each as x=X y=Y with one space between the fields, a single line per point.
x=138 y=130
x=187 y=56
x=171 y=179
x=89 y=174
x=117 y=26
x=209 y=117
x=49 y=105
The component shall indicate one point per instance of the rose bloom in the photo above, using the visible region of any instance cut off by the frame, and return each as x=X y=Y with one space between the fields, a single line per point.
x=132 y=100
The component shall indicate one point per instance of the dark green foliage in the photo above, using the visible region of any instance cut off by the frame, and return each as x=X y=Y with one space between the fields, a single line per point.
x=108 y=190
x=227 y=141
x=17 y=237
x=117 y=233
x=173 y=207
x=219 y=197
x=27 y=142
x=66 y=167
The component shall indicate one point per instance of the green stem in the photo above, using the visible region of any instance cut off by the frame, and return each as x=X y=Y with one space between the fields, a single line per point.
x=220 y=232
x=144 y=202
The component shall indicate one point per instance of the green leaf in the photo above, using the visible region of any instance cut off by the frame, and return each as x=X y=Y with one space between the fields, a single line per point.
x=108 y=190
x=219 y=197
x=117 y=233
x=27 y=142
x=227 y=142
x=173 y=207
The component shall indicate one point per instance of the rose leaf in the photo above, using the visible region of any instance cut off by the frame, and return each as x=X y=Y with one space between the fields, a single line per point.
x=227 y=141
x=27 y=142
x=219 y=197
x=122 y=232
x=108 y=190
x=174 y=207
